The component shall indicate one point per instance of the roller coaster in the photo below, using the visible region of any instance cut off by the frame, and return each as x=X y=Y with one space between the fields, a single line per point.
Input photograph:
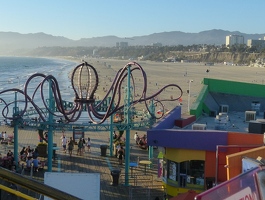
x=141 y=120
x=125 y=105
x=84 y=82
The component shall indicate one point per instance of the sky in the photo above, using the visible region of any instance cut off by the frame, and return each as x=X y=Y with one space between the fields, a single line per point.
x=76 y=19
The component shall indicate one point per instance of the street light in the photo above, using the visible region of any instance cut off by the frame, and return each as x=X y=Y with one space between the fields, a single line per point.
x=190 y=81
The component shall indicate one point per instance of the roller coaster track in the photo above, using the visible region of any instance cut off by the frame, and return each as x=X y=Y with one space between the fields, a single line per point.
x=142 y=122
x=141 y=125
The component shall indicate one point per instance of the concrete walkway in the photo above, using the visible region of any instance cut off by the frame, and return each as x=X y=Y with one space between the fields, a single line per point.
x=141 y=186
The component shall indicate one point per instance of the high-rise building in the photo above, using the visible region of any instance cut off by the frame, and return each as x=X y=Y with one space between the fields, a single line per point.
x=234 y=40
x=259 y=44
x=122 y=44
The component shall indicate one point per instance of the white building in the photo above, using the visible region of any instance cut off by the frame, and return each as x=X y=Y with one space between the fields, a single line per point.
x=257 y=43
x=234 y=40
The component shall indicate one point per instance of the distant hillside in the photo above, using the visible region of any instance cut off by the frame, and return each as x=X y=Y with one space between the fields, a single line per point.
x=15 y=43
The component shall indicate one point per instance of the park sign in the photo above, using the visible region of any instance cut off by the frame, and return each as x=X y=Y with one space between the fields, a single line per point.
x=101 y=108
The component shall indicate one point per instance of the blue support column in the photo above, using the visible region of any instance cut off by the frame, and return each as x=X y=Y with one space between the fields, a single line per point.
x=150 y=152
x=15 y=114
x=127 y=143
x=111 y=133
x=152 y=110
x=50 y=134
x=111 y=136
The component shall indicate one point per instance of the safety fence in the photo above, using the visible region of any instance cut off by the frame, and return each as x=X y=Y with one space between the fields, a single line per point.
x=149 y=193
x=144 y=186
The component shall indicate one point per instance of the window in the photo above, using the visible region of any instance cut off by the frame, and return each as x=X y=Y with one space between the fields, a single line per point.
x=185 y=174
x=195 y=172
x=173 y=171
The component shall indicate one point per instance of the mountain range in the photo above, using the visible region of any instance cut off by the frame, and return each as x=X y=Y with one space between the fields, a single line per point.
x=12 y=42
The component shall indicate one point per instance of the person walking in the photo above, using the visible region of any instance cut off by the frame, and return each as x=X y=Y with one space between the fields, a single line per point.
x=64 y=142
x=80 y=146
x=136 y=137
x=71 y=144
x=4 y=136
x=88 y=144
x=84 y=145
x=120 y=155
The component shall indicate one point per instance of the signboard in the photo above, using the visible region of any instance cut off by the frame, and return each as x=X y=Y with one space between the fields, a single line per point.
x=78 y=132
x=82 y=185
x=242 y=187
x=68 y=105
x=242 y=194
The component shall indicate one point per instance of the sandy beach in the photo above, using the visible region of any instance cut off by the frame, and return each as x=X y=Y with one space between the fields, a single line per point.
x=160 y=74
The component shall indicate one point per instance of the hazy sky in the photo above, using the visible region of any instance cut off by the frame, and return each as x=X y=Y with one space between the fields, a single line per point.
x=76 y=19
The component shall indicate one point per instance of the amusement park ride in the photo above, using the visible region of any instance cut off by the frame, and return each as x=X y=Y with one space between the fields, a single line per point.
x=125 y=106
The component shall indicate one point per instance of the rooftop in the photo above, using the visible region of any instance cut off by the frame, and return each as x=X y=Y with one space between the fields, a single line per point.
x=232 y=121
x=230 y=106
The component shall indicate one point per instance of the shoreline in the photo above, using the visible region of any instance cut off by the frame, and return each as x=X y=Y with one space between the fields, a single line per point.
x=163 y=73
x=160 y=74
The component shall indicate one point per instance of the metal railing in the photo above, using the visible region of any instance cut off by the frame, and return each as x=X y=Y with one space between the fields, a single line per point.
x=141 y=186
x=148 y=193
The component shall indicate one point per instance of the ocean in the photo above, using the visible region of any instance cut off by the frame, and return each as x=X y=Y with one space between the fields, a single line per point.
x=16 y=70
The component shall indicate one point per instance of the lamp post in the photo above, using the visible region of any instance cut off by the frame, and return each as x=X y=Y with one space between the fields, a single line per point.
x=190 y=81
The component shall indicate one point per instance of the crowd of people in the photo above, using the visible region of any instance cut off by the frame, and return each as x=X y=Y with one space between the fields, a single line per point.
x=120 y=142
x=27 y=155
x=141 y=141
x=7 y=161
x=82 y=144
x=31 y=157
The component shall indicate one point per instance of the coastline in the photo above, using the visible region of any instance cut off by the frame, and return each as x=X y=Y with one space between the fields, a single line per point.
x=160 y=74
x=163 y=73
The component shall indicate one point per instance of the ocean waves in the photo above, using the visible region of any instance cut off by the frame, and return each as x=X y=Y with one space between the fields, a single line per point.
x=15 y=71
